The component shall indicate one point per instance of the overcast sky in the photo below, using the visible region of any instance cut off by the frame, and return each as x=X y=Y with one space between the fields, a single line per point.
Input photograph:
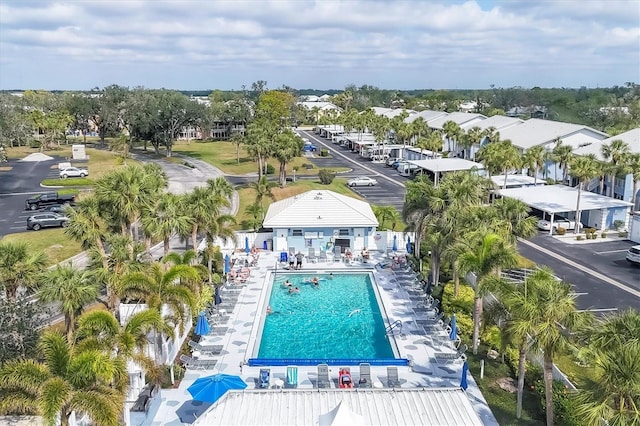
x=207 y=44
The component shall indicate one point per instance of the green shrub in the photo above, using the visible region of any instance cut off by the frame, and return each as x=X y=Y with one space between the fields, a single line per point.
x=603 y=234
x=326 y=176
x=579 y=238
x=623 y=234
x=68 y=182
x=617 y=224
x=324 y=152
x=462 y=303
x=270 y=169
x=564 y=403
x=532 y=374
x=492 y=337
x=561 y=231
x=34 y=143
x=307 y=166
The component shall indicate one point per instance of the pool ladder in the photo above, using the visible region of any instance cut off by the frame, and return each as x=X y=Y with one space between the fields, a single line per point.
x=392 y=326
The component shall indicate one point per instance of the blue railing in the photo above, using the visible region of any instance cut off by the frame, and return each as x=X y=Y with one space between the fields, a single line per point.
x=262 y=362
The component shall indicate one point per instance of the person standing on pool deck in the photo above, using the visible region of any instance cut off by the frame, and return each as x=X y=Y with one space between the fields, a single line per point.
x=299 y=258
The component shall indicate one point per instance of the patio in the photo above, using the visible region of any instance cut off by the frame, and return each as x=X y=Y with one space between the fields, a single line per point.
x=434 y=360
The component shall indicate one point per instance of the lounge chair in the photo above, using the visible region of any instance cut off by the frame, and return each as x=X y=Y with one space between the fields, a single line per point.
x=265 y=375
x=449 y=357
x=192 y=363
x=322 y=257
x=365 y=376
x=312 y=255
x=337 y=253
x=393 y=381
x=292 y=377
x=323 y=376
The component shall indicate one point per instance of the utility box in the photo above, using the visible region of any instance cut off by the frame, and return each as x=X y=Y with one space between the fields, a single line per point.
x=79 y=152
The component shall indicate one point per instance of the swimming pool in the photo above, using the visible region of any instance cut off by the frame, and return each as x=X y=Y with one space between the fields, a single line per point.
x=338 y=319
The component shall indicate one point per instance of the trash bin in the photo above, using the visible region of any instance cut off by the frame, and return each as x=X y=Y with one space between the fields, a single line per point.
x=264 y=245
x=269 y=244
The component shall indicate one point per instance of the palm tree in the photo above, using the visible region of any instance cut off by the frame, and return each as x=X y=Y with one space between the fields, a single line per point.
x=199 y=206
x=19 y=267
x=534 y=159
x=614 y=395
x=263 y=189
x=453 y=133
x=384 y=213
x=255 y=211
x=484 y=254
x=524 y=305
x=165 y=217
x=189 y=258
x=558 y=314
x=87 y=225
x=98 y=330
x=73 y=289
x=67 y=380
x=258 y=142
x=584 y=169
x=473 y=137
x=562 y=154
x=237 y=139
x=516 y=219
x=491 y=157
x=510 y=158
x=220 y=187
x=287 y=146
x=633 y=166
x=419 y=127
x=616 y=153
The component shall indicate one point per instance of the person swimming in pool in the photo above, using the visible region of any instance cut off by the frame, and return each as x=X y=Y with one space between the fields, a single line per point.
x=293 y=290
x=287 y=283
x=269 y=311
x=315 y=281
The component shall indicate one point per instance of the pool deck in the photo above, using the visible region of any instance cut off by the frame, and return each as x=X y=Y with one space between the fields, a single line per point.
x=413 y=341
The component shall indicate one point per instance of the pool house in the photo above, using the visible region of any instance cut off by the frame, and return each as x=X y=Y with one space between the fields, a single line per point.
x=321 y=219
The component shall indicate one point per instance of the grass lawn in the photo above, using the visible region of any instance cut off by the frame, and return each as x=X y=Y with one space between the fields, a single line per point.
x=503 y=403
x=53 y=242
x=573 y=371
x=247 y=195
x=223 y=156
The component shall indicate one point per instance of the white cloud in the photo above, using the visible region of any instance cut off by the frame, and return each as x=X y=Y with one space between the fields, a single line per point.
x=319 y=43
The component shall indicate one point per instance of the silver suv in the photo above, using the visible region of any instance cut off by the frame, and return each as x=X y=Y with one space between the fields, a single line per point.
x=47 y=220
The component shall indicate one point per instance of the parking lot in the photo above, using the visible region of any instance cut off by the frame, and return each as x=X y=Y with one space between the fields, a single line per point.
x=389 y=191
x=18 y=184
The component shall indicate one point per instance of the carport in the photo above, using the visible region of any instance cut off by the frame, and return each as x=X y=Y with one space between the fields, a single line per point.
x=438 y=166
x=601 y=211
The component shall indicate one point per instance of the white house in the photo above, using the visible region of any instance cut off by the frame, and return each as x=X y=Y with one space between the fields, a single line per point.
x=320 y=219
x=462 y=119
x=497 y=122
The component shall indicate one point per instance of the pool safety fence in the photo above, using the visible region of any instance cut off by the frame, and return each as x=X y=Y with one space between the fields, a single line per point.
x=261 y=362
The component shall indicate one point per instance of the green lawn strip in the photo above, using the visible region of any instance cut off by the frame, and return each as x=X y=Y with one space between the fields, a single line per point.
x=576 y=374
x=68 y=182
x=503 y=403
x=53 y=242
x=247 y=195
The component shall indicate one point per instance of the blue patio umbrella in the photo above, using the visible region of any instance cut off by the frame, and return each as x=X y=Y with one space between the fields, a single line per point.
x=216 y=298
x=202 y=326
x=246 y=245
x=227 y=264
x=395 y=243
x=453 y=335
x=212 y=388
x=463 y=382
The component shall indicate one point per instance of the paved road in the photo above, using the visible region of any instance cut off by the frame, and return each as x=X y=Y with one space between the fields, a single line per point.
x=390 y=189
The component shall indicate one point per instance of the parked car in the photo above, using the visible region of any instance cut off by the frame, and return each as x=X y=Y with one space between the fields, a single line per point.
x=391 y=160
x=558 y=222
x=361 y=181
x=396 y=164
x=73 y=172
x=48 y=198
x=46 y=220
x=309 y=147
x=54 y=208
x=633 y=255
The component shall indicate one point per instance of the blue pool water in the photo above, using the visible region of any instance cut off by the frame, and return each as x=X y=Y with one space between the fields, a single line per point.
x=340 y=318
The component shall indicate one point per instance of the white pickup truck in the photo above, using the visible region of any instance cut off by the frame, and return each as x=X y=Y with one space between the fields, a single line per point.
x=558 y=222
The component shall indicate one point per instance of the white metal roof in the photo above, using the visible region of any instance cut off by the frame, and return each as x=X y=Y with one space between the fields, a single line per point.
x=320 y=105
x=426 y=406
x=318 y=209
x=446 y=164
x=631 y=137
x=516 y=180
x=459 y=118
x=538 y=132
x=427 y=115
x=561 y=198
x=499 y=122
x=332 y=127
